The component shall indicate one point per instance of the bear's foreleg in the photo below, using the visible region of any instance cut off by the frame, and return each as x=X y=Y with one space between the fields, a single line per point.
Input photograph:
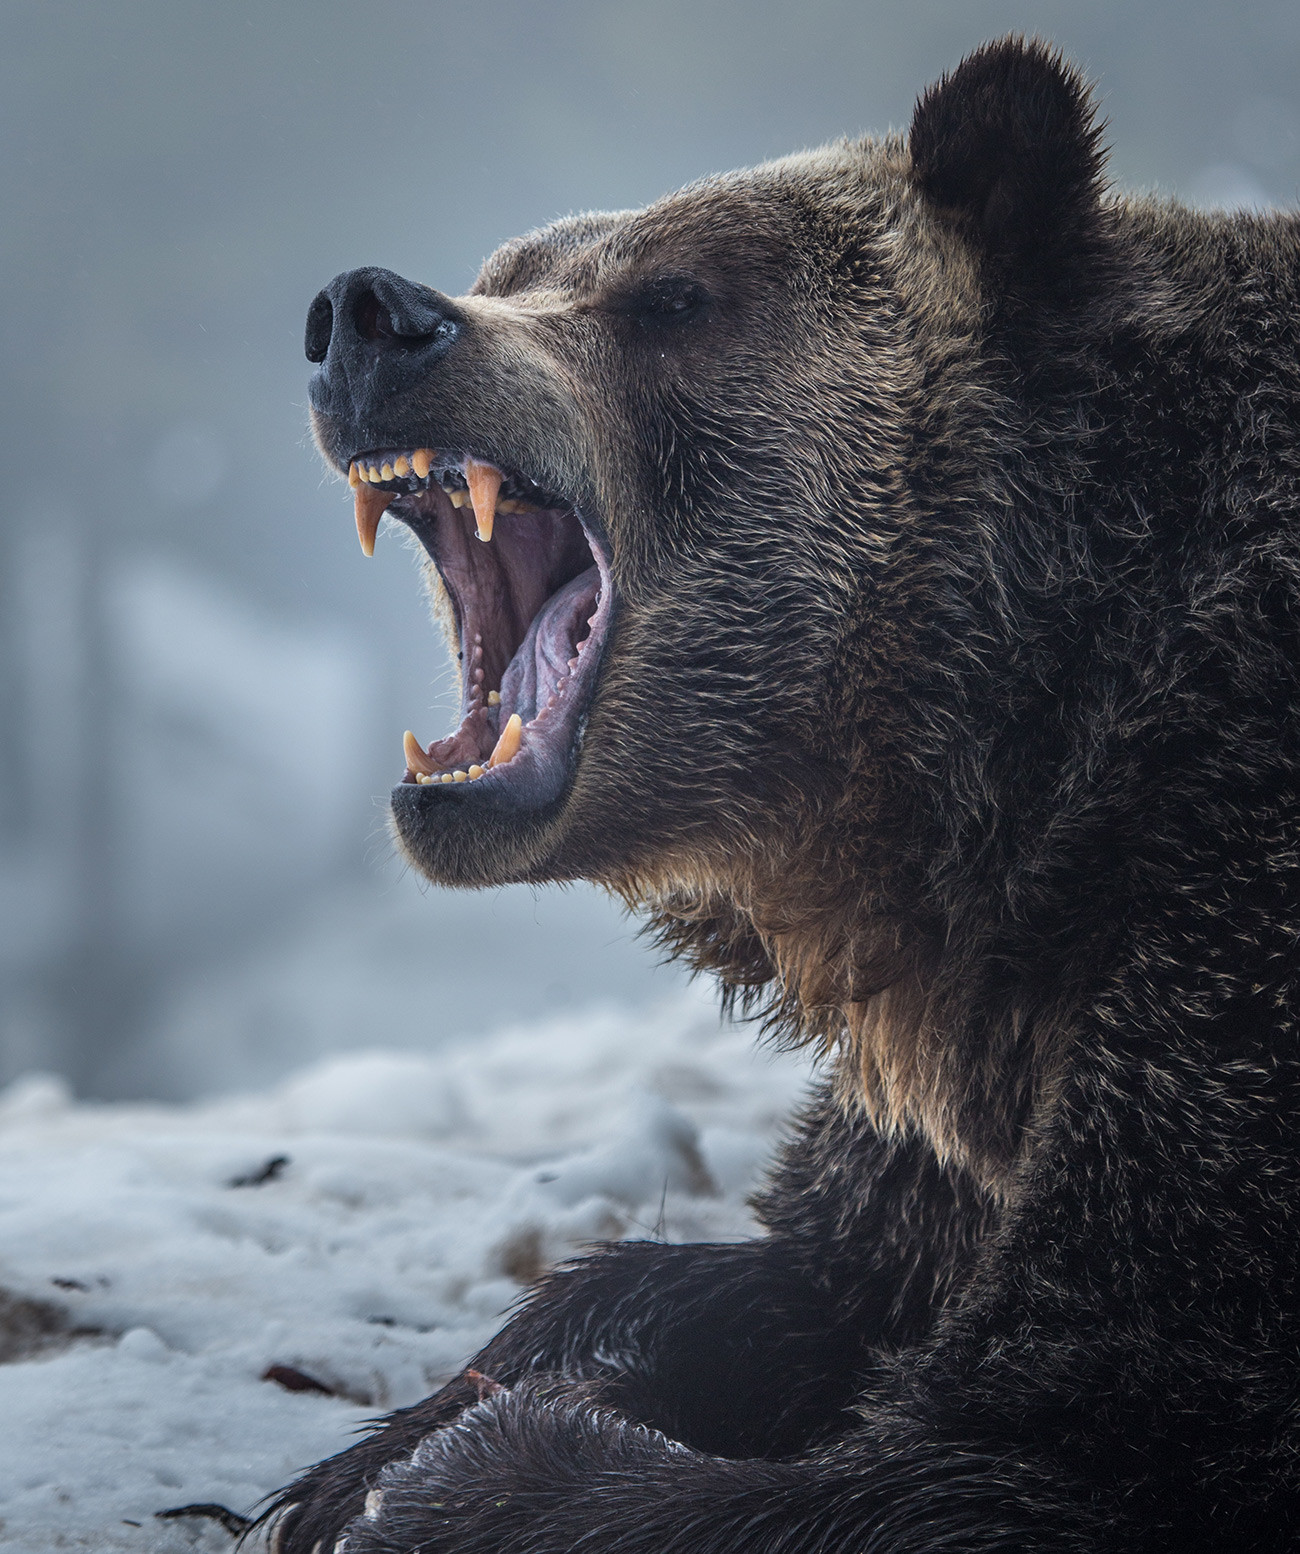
x=727 y=1347
x=745 y=1350
x=541 y=1470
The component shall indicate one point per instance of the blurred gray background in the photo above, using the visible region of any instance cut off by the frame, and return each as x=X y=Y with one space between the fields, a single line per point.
x=204 y=684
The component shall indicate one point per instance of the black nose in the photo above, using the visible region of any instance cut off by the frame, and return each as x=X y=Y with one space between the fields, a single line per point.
x=375 y=305
x=370 y=325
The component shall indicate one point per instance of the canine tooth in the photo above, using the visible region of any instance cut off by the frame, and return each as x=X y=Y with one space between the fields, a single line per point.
x=476 y=771
x=371 y=506
x=402 y=466
x=494 y=698
x=459 y=776
x=416 y=758
x=507 y=747
x=422 y=462
x=484 y=482
x=354 y=475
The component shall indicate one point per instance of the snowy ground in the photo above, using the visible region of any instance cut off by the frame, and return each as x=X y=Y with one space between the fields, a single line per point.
x=157 y=1262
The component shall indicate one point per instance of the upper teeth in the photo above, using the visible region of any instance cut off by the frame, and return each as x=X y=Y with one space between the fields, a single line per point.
x=371 y=506
x=484 y=482
x=482 y=491
x=420 y=462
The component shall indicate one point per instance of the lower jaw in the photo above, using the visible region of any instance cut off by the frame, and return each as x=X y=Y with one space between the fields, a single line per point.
x=483 y=840
x=486 y=830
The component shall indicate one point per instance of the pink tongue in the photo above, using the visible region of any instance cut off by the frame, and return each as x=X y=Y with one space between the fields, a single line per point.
x=543 y=656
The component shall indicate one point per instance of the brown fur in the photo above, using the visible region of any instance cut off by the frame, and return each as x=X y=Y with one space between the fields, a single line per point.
x=951 y=717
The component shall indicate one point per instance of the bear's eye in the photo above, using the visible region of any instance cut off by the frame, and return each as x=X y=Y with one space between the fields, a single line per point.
x=673 y=300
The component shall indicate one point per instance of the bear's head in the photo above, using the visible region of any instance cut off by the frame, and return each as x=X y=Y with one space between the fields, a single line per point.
x=707 y=491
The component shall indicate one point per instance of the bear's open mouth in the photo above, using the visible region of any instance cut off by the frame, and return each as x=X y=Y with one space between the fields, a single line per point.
x=530 y=589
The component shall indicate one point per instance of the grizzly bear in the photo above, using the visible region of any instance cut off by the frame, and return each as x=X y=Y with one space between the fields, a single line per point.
x=882 y=568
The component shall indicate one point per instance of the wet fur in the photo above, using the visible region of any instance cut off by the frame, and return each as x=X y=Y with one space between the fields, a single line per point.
x=952 y=721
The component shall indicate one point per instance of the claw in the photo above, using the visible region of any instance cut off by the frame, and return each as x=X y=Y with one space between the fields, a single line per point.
x=277 y=1527
x=485 y=1386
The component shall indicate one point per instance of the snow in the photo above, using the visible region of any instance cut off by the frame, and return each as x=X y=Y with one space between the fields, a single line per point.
x=157 y=1260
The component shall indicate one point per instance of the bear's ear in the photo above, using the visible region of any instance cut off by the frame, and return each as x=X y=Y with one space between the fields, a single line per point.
x=1008 y=148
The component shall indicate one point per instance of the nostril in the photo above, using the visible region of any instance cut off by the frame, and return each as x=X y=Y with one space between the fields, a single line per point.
x=320 y=327
x=372 y=319
x=394 y=313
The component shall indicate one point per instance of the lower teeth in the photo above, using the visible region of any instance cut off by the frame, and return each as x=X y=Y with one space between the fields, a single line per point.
x=505 y=750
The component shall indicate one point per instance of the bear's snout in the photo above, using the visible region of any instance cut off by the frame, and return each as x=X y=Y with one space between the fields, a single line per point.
x=373 y=334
